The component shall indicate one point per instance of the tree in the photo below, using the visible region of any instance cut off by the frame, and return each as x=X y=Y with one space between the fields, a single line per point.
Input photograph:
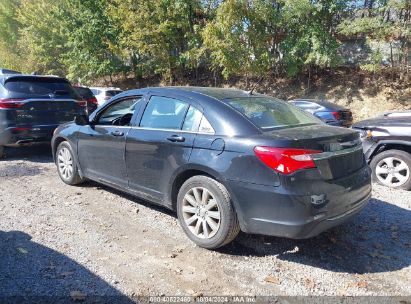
x=160 y=36
x=381 y=22
x=9 y=55
x=241 y=38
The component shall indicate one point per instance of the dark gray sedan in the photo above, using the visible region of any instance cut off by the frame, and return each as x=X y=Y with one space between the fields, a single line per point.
x=224 y=159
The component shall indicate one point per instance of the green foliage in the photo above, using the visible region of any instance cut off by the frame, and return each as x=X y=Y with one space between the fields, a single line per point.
x=88 y=39
x=240 y=39
x=386 y=21
x=9 y=35
x=160 y=36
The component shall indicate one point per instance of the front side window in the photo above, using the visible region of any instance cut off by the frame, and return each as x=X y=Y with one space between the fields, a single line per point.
x=270 y=113
x=120 y=113
x=164 y=113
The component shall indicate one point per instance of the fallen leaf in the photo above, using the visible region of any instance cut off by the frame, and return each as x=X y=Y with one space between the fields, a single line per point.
x=77 y=295
x=378 y=245
x=309 y=283
x=22 y=250
x=333 y=240
x=362 y=284
x=394 y=228
x=272 y=279
x=66 y=273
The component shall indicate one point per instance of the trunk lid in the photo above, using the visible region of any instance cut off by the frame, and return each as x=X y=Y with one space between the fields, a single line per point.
x=341 y=148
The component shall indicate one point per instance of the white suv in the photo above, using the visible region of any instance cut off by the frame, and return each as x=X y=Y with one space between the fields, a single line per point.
x=104 y=94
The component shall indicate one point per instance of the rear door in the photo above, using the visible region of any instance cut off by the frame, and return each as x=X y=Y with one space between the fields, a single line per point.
x=101 y=145
x=161 y=143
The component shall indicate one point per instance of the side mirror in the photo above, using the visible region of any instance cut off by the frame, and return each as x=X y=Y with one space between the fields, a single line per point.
x=81 y=120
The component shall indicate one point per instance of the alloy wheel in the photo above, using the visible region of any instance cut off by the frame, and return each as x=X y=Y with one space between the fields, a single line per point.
x=201 y=212
x=65 y=163
x=392 y=171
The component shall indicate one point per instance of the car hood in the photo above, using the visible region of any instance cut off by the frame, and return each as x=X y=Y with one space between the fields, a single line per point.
x=383 y=122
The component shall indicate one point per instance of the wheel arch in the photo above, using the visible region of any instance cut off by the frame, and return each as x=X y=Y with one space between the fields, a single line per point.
x=58 y=140
x=390 y=145
x=183 y=175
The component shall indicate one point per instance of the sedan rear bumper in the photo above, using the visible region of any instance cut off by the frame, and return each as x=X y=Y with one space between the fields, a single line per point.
x=306 y=229
x=278 y=211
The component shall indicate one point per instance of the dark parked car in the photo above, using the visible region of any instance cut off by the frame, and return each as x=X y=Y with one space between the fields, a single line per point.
x=225 y=160
x=31 y=107
x=88 y=96
x=331 y=113
x=387 y=147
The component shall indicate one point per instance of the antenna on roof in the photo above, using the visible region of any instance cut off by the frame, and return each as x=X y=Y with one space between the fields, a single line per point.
x=255 y=85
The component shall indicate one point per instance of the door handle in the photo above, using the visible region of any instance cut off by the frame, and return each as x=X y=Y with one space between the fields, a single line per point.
x=117 y=133
x=176 y=138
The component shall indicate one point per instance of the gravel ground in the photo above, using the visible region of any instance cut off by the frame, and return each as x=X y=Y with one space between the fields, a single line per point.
x=91 y=240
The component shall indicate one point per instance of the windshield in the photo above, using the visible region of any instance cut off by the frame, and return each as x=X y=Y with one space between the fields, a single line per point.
x=269 y=113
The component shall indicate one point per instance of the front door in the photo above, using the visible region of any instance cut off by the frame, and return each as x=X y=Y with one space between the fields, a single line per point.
x=160 y=144
x=101 y=145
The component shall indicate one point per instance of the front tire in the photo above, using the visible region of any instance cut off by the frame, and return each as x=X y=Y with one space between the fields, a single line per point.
x=66 y=165
x=206 y=213
x=392 y=168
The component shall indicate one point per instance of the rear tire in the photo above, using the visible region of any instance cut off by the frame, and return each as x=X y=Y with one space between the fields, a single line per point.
x=206 y=213
x=66 y=165
x=392 y=168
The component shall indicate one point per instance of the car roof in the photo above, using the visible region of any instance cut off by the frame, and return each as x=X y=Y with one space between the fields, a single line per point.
x=4 y=78
x=216 y=93
x=9 y=72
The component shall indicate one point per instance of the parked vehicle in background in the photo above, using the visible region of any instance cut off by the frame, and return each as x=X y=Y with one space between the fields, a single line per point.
x=103 y=94
x=8 y=72
x=406 y=113
x=31 y=107
x=331 y=113
x=88 y=96
x=387 y=147
x=223 y=159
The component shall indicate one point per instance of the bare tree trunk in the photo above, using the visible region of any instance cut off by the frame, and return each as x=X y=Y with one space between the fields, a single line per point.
x=309 y=79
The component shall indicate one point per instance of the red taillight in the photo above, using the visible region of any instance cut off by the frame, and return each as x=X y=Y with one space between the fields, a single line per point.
x=337 y=115
x=286 y=160
x=81 y=103
x=92 y=100
x=20 y=129
x=11 y=103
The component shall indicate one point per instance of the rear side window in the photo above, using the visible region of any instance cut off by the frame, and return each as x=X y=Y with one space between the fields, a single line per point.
x=192 y=120
x=270 y=113
x=164 y=113
x=40 y=87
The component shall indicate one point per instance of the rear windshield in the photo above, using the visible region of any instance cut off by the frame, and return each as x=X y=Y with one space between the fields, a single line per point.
x=84 y=92
x=35 y=87
x=111 y=93
x=271 y=113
